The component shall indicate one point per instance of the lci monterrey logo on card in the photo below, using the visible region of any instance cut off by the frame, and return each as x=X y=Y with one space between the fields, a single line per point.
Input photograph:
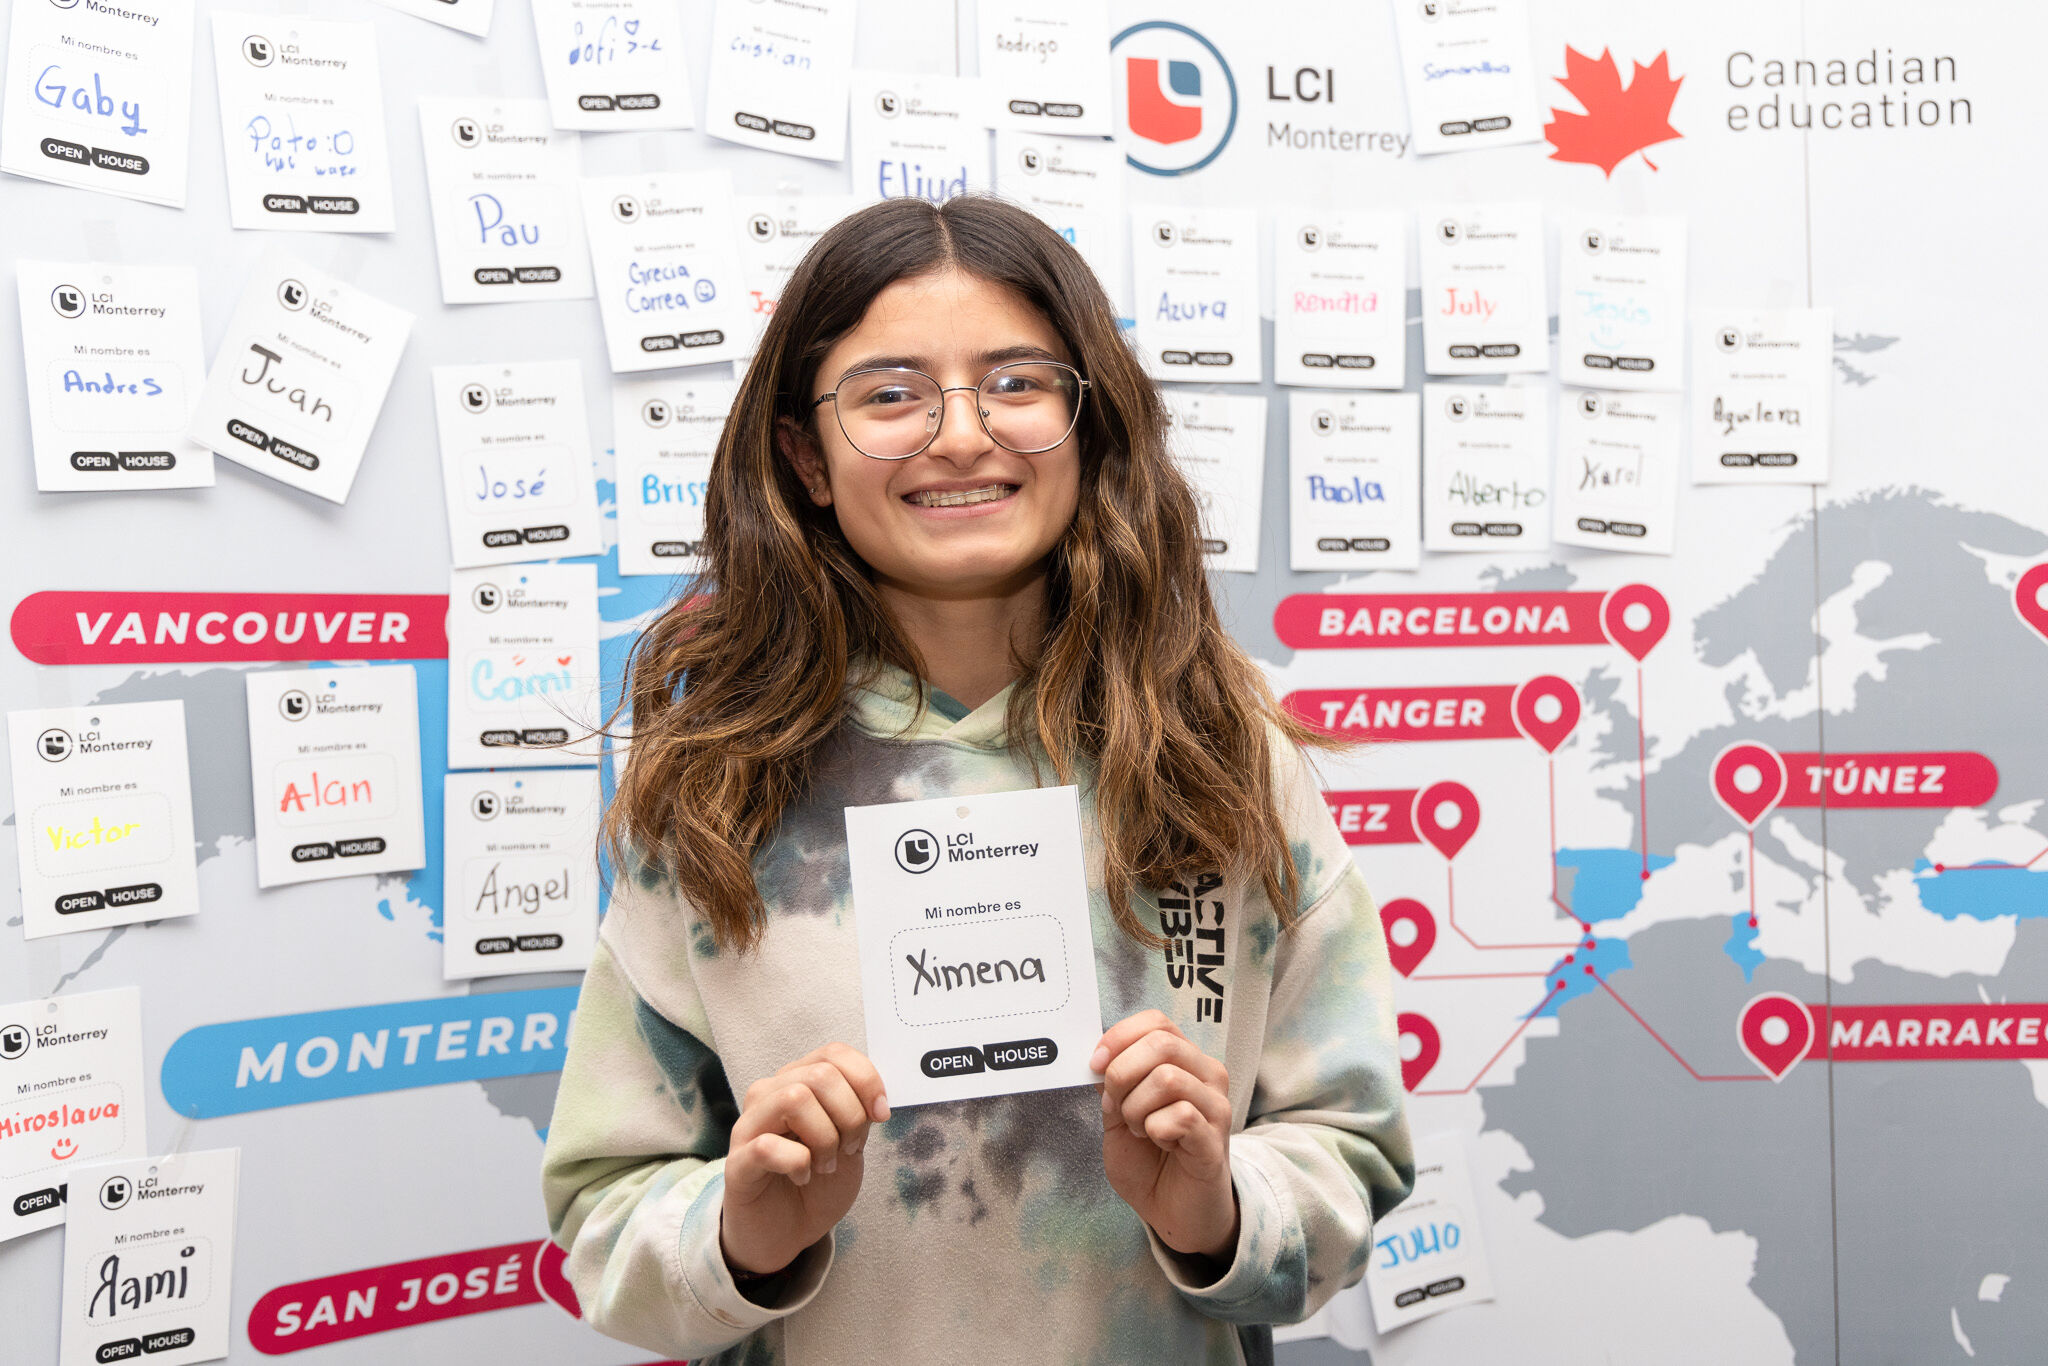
x=1176 y=98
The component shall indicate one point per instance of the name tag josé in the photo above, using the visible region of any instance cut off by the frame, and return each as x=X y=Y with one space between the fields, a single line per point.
x=977 y=957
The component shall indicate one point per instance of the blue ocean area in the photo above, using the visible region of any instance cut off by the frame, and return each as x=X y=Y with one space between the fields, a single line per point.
x=1741 y=946
x=1606 y=957
x=620 y=601
x=1981 y=893
x=1606 y=883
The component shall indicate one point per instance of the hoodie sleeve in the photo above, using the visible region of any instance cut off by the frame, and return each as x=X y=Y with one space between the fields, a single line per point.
x=1324 y=1151
x=634 y=1175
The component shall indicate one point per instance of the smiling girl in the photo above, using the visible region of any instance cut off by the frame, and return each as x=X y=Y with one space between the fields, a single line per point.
x=947 y=553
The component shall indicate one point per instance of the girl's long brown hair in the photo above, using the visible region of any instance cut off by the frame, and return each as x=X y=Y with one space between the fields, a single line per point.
x=732 y=690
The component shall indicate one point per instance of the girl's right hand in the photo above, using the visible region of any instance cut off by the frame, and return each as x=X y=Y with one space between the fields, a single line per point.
x=794 y=1164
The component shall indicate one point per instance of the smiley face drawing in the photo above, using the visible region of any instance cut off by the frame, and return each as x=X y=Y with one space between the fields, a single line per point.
x=63 y=1148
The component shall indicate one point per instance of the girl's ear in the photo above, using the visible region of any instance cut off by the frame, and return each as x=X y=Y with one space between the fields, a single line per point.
x=797 y=447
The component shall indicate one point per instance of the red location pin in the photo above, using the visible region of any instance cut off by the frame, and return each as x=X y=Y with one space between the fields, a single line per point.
x=1447 y=815
x=1635 y=617
x=1427 y=1045
x=1546 y=709
x=1749 y=778
x=1776 y=1031
x=2030 y=599
x=1411 y=932
x=552 y=1281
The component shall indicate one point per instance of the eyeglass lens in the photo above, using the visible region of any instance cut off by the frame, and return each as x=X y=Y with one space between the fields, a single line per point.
x=1026 y=407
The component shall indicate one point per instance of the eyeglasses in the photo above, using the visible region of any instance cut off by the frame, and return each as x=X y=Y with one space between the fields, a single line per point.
x=892 y=413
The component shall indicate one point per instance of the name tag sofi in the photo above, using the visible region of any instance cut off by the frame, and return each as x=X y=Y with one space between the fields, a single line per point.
x=334 y=761
x=103 y=816
x=114 y=363
x=977 y=951
x=149 y=1254
x=522 y=666
x=70 y=1094
x=519 y=871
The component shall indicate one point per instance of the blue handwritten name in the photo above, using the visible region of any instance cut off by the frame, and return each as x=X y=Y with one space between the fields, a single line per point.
x=58 y=92
x=492 y=490
x=753 y=47
x=655 y=491
x=641 y=299
x=487 y=685
x=490 y=219
x=1172 y=310
x=1321 y=490
x=282 y=149
x=910 y=180
x=1426 y=1240
x=604 y=46
x=1432 y=72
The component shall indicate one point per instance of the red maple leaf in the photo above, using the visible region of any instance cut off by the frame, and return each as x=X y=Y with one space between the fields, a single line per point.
x=1618 y=121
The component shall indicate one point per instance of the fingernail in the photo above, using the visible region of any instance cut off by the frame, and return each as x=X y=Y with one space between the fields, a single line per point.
x=831 y=1165
x=882 y=1109
x=1136 y=1132
x=1098 y=1060
x=853 y=1145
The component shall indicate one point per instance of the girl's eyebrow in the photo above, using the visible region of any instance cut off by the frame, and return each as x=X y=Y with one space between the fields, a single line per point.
x=987 y=359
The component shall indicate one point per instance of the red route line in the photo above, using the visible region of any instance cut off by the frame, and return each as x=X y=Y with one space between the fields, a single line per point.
x=1451 y=911
x=1470 y=976
x=1467 y=1087
x=1695 y=1075
x=1991 y=867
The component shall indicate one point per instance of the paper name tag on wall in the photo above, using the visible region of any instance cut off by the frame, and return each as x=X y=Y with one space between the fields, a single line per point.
x=1219 y=443
x=977 y=951
x=1485 y=467
x=665 y=430
x=1484 y=309
x=302 y=123
x=779 y=72
x=1340 y=299
x=667 y=269
x=149 y=1260
x=1621 y=303
x=1470 y=73
x=1045 y=65
x=1762 y=395
x=73 y=1069
x=1077 y=186
x=1196 y=274
x=502 y=184
x=1617 y=470
x=522 y=666
x=774 y=233
x=515 y=462
x=519 y=867
x=114 y=364
x=1429 y=1255
x=916 y=137
x=334 y=762
x=614 y=63
x=103 y=816
x=466 y=16
x=1354 y=480
x=300 y=376
x=100 y=97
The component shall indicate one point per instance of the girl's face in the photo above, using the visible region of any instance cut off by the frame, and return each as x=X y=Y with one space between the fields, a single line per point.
x=955 y=327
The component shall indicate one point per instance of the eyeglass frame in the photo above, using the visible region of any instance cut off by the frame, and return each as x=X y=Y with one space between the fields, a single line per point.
x=980 y=413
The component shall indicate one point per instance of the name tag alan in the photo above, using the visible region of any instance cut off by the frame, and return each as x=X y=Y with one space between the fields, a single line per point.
x=976 y=948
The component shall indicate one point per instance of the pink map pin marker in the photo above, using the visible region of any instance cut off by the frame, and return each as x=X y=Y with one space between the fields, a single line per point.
x=553 y=1282
x=2030 y=599
x=1776 y=1031
x=1749 y=778
x=1546 y=709
x=1427 y=1047
x=1635 y=617
x=1411 y=932
x=1447 y=815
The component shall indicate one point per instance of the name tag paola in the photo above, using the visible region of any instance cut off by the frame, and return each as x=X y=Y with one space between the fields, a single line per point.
x=977 y=954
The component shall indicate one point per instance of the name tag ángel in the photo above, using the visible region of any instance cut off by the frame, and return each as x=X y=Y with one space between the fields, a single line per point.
x=977 y=956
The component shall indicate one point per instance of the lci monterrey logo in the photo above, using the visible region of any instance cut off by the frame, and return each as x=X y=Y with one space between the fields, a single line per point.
x=1177 y=101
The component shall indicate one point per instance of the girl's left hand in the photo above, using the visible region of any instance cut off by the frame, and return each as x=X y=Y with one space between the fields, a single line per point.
x=1166 y=1134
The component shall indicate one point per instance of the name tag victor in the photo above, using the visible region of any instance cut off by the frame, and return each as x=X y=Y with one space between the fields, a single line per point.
x=977 y=960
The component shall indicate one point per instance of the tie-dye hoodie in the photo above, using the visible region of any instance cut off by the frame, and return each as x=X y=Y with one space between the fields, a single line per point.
x=985 y=1231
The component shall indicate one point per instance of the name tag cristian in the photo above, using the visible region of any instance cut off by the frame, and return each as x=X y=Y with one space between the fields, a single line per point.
x=946 y=976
